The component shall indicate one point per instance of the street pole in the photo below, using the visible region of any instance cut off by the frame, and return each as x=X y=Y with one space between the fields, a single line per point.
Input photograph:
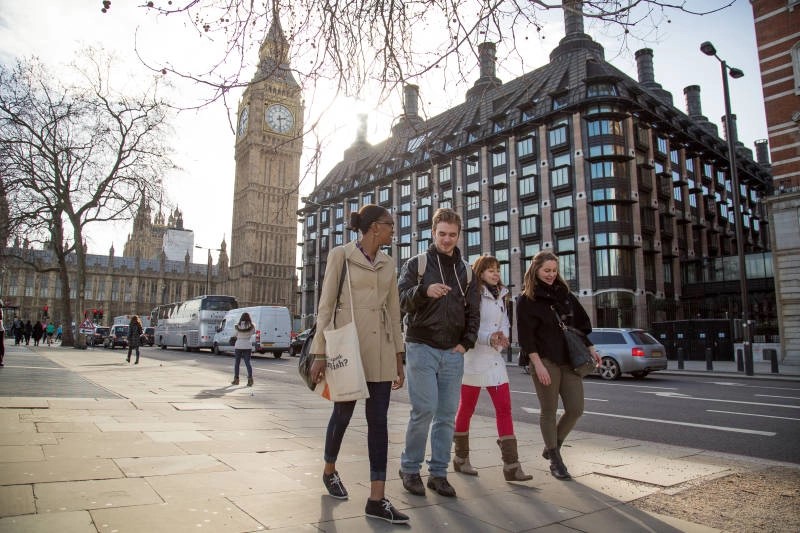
x=747 y=339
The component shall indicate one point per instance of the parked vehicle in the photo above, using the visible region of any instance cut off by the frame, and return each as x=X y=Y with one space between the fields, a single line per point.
x=118 y=336
x=190 y=324
x=298 y=341
x=149 y=336
x=273 y=330
x=627 y=351
x=98 y=336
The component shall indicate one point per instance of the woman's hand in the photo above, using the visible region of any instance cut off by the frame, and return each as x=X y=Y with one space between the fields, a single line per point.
x=401 y=373
x=318 y=370
x=542 y=374
x=498 y=340
x=597 y=359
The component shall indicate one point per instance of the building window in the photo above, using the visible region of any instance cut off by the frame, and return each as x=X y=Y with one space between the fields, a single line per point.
x=558 y=136
x=566 y=259
x=562 y=218
x=499 y=158
x=405 y=190
x=339 y=212
x=471 y=165
x=422 y=247
x=560 y=101
x=500 y=196
x=559 y=177
x=444 y=174
x=525 y=147
x=384 y=194
x=796 y=64
x=423 y=181
x=601 y=89
x=473 y=238
x=604 y=127
x=527 y=186
x=606 y=150
x=605 y=213
x=501 y=233
x=661 y=145
x=405 y=252
x=367 y=198
x=529 y=226
x=613 y=262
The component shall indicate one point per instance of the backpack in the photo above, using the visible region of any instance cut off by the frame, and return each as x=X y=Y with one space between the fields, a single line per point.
x=422 y=263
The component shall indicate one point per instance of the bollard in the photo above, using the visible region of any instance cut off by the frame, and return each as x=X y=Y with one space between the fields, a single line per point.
x=773 y=360
x=709 y=359
x=680 y=357
x=739 y=361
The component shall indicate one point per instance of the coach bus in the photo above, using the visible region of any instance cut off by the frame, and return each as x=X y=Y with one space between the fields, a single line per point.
x=190 y=324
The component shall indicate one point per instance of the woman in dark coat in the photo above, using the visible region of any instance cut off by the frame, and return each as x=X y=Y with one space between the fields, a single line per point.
x=38 y=332
x=28 y=332
x=545 y=299
x=135 y=331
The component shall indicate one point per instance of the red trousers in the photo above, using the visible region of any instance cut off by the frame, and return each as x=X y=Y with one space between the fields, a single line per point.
x=501 y=398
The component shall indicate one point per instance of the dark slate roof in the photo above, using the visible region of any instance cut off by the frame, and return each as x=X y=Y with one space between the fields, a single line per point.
x=94 y=261
x=576 y=61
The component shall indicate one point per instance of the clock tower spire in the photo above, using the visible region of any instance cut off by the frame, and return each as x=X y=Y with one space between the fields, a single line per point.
x=268 y=147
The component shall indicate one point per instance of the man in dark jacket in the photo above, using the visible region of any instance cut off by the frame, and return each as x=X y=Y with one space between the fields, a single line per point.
x=442 y=311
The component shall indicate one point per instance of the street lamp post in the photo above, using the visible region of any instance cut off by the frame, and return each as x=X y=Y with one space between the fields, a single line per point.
x=208 y=264
x=708 y=49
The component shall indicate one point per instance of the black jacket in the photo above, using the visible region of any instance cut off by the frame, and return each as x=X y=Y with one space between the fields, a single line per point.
x=440 y=322
x=537 y=326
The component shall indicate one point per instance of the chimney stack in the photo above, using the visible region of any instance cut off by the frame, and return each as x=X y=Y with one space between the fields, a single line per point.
x=573 y=17
x=410 y=100
x=693 y=106
x=647 y=79
x=762 y=152
x=488 y=79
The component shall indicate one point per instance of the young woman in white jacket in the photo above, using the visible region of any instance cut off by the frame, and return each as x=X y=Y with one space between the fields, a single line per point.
x=485 y=367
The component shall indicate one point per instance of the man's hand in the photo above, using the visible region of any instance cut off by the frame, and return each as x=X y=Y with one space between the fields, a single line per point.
x=460 y=349
x=437 y=290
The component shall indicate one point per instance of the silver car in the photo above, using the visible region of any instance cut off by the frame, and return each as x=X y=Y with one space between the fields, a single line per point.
x=627 y=351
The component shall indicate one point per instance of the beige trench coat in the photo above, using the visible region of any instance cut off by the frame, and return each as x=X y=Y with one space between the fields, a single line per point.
x=376 y=304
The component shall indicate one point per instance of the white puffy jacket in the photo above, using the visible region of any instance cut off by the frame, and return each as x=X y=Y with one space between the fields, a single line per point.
x=483 y=365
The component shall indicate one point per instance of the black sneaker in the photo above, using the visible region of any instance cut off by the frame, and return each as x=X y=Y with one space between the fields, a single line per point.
x=442 y=486
x=413 y=483
x=334 y=485
x=384 y=510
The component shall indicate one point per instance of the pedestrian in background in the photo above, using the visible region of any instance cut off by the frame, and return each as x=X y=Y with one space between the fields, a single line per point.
x=442 y=318
x=17 y=330
x=59 y=333
x=49 y=331
x=2 y=334
x=27 y=332
x=38 y=332
x=375 y=307
x=243 y=348
x=545 y=299
x=485 y=367
x=135 y=331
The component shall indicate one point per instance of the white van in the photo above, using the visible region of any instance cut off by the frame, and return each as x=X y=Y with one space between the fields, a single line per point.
x=273 y=329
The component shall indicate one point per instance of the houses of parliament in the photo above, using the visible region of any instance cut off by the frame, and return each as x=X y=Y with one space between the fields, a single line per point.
x=155 y=266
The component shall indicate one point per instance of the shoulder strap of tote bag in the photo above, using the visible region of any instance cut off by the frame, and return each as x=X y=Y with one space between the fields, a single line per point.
x=342 y=275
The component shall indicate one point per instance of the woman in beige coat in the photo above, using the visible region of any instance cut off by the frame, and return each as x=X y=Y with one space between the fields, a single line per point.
x=376 y=306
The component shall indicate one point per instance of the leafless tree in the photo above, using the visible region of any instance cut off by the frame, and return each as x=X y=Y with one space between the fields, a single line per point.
x=75 y=154
x=356 y=43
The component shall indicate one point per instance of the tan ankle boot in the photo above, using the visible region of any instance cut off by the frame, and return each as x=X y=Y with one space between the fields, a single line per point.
x=461 y=455
x=512 y=470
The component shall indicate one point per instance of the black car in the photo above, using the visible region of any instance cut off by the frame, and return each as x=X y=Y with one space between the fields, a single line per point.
x=118 y=336
x=148 y=337
x=297 y=342
x=99 y=335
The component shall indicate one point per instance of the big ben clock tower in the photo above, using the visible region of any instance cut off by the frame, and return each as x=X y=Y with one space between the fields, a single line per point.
x=269 y=142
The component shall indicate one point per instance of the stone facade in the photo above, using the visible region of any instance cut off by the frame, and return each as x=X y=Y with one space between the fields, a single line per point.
x=269 y=143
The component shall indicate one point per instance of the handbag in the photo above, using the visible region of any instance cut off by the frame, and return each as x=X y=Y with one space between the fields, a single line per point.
x=306 y=358
x=344 y=376
x=580 y=357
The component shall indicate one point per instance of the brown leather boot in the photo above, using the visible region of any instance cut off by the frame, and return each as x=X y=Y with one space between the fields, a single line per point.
x=512 y=470
x=557 y=466
x=461 y=458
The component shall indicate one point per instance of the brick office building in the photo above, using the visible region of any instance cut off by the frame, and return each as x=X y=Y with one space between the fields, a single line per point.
x=575 y=157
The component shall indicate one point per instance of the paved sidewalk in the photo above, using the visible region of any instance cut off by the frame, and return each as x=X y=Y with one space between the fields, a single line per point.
x=169 y=447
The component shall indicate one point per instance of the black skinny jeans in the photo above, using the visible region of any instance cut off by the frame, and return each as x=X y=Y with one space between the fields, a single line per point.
x=377 y=407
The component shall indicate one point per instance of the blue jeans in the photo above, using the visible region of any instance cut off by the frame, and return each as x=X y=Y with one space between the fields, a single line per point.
x=243 y=354
x=377 y=407
x=434 y=388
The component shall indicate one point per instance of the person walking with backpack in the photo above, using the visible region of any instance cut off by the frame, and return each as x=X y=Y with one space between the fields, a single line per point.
x=442 y=307
x=243 y=348
x=135 y=331
x=38 y=332
x=484 y=367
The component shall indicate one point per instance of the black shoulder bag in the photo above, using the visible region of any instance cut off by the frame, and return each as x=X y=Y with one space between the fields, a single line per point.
x=580 y=357
x=306 y=358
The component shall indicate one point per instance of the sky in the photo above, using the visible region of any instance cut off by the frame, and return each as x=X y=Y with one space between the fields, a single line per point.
x=54 y=30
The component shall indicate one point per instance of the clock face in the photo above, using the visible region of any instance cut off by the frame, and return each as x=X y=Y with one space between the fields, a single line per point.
x=243 y=120
x=279 y=118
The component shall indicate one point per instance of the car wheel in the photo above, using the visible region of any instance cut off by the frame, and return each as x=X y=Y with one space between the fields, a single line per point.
x=215 y=349
x=185 y=345
x=292 y=351
x=609 y=369
x=640 y=375
x=277 y=355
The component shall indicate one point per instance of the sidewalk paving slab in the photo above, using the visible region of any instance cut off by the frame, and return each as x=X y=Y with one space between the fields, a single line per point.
x=169 y=447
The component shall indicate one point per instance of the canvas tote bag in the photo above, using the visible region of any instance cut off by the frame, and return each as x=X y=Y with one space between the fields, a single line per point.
x=344 y=376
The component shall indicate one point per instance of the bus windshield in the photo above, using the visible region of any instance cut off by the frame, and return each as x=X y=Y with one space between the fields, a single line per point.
x=219 y=303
